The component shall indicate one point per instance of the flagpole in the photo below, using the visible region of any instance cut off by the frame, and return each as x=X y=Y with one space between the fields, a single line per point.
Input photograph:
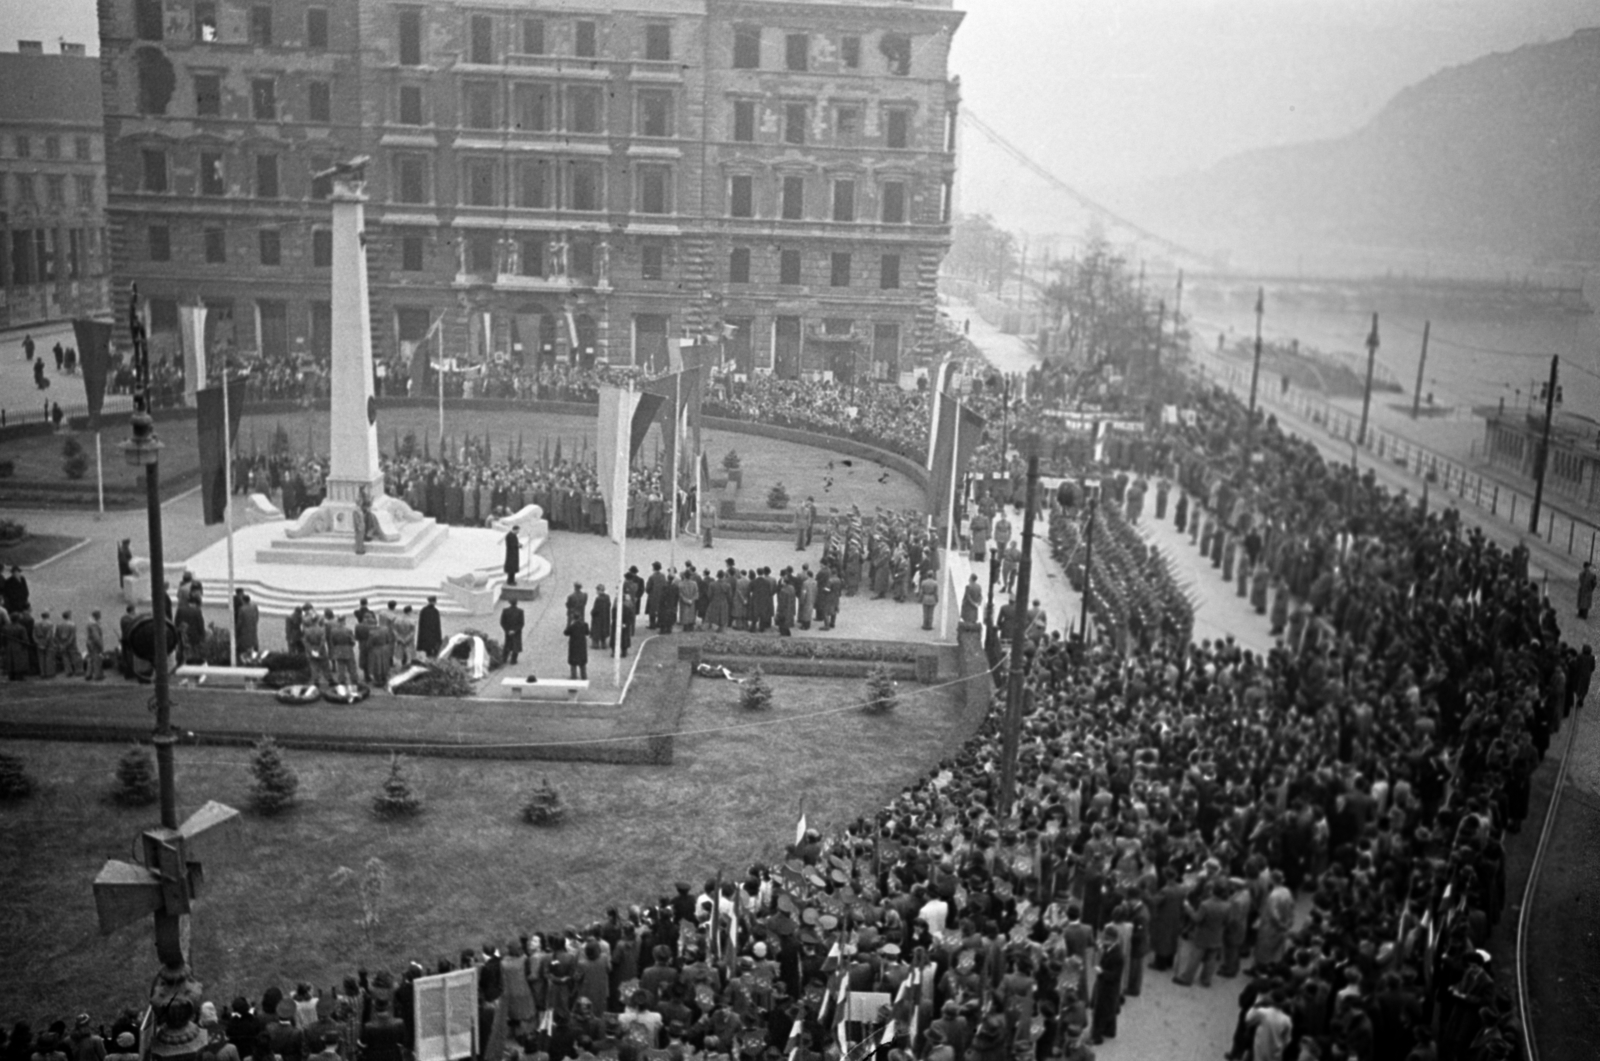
x=99 y=476
x=677 y=400
x=949 y=531
x=227 y=479
x=440 y=344
x=624 y=438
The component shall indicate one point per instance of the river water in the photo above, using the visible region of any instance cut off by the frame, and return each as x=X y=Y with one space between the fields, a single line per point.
x=1473 y=358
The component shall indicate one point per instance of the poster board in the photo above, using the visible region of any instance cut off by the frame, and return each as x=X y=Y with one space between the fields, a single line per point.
x=446 y=1015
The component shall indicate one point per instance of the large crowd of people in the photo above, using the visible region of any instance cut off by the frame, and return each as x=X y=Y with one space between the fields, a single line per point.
x=1326 y=821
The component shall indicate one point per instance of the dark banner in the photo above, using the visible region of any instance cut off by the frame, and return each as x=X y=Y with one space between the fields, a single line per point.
x=94 y=357
x=214 y=447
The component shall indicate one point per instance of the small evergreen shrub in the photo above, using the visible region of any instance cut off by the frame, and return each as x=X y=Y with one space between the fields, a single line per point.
x=396 y=799
x=15 y=783
x=74 y=463
x=778 y=496
x=881 y=694
x=275 y=780
x=544 y=806
x=755 y=694
x=136 y=784
x=730 y=462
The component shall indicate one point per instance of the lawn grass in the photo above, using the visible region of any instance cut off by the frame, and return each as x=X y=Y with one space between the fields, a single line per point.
x=34 y=549
x=466 y=871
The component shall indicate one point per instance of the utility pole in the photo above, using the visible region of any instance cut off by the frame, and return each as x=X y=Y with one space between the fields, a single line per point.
x=1542 y=458
x=1366 y=393
x=1255 y=378
x=1416 y=397
x=1019 y=636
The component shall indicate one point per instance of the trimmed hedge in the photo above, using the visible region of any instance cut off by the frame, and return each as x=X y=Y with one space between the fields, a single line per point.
x=735 y=644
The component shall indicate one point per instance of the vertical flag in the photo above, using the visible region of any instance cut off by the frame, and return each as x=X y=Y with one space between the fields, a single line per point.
x=192 y=325
x=216 y=443
x=612 y=451
x=936 y=386
x=957 y=434
x=94 y=351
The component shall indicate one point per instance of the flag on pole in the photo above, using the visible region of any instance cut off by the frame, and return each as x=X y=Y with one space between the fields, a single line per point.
x=645 y=412
x=937 y=385
x=612 y=452
x=94 y=351
x=959 y=430
x=192 y=326
x=215 y=446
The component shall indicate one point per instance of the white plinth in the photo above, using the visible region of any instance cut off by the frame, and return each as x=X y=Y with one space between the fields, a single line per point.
x=459 y=565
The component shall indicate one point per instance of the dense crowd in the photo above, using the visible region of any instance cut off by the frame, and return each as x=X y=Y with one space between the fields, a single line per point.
x=1334 y=813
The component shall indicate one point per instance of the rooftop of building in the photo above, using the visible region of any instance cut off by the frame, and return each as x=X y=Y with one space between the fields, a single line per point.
x=49 y=89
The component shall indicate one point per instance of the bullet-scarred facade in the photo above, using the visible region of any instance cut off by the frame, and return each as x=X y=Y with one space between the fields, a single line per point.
x=553 y=181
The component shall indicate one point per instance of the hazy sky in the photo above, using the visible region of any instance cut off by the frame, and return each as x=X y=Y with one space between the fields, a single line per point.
x=1106 y=91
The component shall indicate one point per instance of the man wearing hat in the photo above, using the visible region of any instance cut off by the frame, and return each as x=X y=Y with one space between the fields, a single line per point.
x=84 y=1044
x=287 y=1040
x=127 y=1048
x=383 y=1038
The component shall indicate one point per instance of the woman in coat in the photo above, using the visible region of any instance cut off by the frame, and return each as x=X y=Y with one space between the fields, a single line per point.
x=688 y=595
x=577 y=633
x=517 y=995
x=786 y=607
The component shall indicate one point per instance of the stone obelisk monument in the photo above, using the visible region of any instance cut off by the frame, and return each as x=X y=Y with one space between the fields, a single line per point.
x=353 y=418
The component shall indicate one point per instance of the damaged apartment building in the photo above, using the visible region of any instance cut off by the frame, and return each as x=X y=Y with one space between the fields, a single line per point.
x=552 y=182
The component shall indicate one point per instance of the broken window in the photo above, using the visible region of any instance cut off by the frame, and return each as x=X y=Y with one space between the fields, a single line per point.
x=896 y=49
x=747 y=47
x=897 y=127
x=319 y=102
x=655 y=113
x=261 y=25
x=535 y=185
x=155 y=169
x=794 y=123
x=212 y=181
x=741 y=196
x=652 y=261
x=410 y=36
x=796 y=52
x=658 y=41
x=480 y=190
x=794 y=198
x=583 y=112
x=264 y=99
x=584 y=185
x=316 y=27
x=411 y=105
x=478 y=105
x=893 y=202
x=148 y=20
x=847 y=125
x=844 y=200
x=266 y=176
x=655 y=190
x=533 y=36
x=533 y=106
x=744 y=121
x=480 y=30
x=583 y=39
x=889 y=272
x=208 y=95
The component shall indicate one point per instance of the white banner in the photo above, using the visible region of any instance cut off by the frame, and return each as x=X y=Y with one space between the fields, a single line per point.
x=447 y=1015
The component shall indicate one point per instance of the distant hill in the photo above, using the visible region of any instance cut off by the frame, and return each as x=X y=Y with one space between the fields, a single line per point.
x=1498 y=156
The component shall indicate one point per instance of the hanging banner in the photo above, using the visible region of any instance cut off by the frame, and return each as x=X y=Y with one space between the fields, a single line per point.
x=94 y=352
x=446 y=1011
x=192 y=327
x=214 y=449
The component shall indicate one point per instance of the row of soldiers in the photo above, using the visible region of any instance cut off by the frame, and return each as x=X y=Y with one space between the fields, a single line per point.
x=378 y=643
x=888 y=553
